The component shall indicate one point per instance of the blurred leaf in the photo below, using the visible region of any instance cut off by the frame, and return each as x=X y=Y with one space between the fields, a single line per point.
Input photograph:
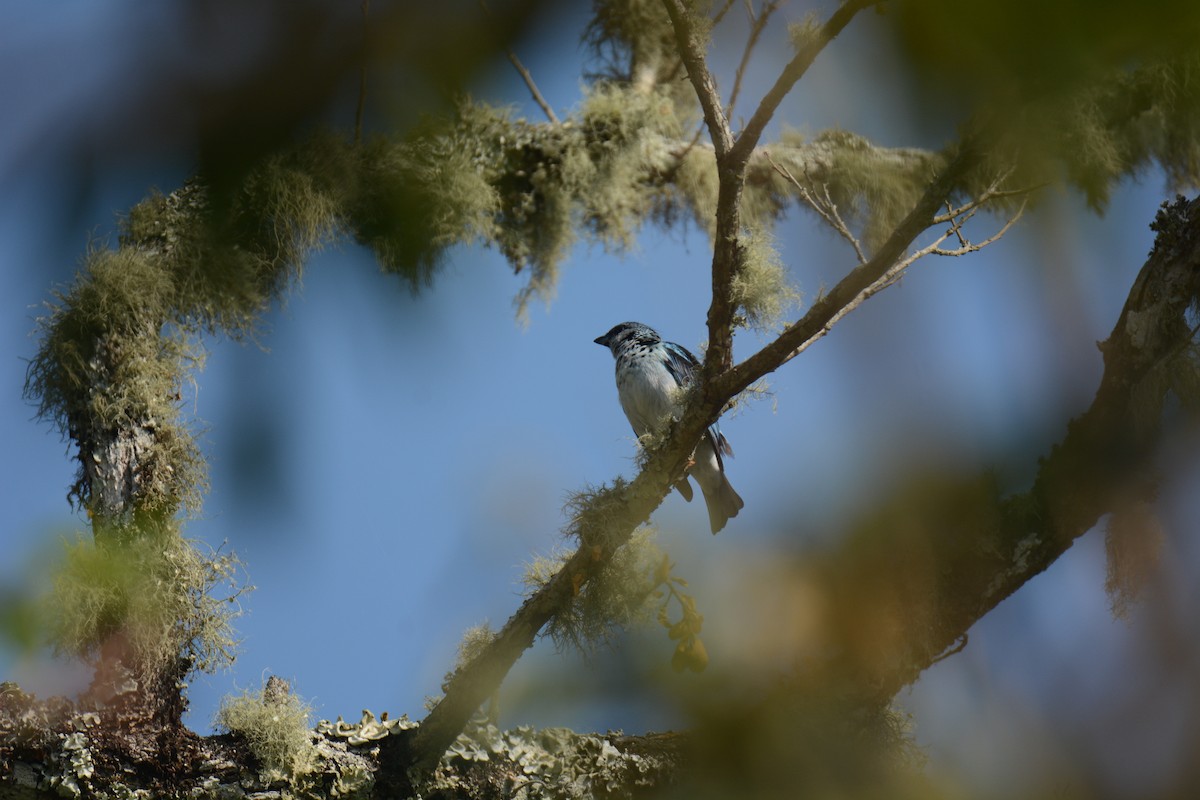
x=20 y=623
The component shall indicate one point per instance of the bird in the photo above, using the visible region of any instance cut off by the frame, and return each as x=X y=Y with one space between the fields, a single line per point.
x=650 y=376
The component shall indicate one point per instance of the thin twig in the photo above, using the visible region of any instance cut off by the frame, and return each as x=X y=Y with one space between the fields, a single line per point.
x=971 y=247
x=759 y=23
x=362 y=79
x=826 y=208
x=935 y=248
x=793 y=72
x=958 y=647
x=895 y=272
x=533 y=89
x=526 y=76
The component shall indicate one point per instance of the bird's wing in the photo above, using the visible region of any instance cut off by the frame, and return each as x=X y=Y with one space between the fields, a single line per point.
x=722 y=444
x=681 y=364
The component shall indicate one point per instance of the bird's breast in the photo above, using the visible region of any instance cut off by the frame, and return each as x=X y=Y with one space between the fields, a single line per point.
x=647 y=391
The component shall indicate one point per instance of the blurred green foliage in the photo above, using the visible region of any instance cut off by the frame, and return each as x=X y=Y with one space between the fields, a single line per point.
x=1089 y=92
x=142 y=601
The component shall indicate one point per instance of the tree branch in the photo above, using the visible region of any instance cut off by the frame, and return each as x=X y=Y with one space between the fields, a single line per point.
x=855 y=288
x=945 y=563
x=608 y=523
x=692 y=51
x=732 y=159
x=731 y=179
x=756 y=29
x=793 y=72
x=533 y=89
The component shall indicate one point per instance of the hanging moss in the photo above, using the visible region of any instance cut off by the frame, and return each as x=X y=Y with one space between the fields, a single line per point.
x=417 y=198
x=618 y=596
x=760 y=286
x=143 y=599
x=275 y=724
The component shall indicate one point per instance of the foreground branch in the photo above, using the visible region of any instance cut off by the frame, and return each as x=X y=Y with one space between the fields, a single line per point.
x=973 y=547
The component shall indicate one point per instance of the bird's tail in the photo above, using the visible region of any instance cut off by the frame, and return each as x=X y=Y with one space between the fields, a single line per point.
x=723 y=503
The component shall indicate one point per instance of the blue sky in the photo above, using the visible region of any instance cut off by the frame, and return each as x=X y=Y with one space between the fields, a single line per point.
x=385 y=464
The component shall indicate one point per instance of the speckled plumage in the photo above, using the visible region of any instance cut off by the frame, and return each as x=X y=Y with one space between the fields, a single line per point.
x=650 y=376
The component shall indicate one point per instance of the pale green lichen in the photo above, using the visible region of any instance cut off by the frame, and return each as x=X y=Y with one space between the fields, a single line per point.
x=74 y=765
x=367 y=729
x=591 y=175
x=804 y=33
x=105 y=365
x=275 y=726
x=552 y=763
x=474 y=641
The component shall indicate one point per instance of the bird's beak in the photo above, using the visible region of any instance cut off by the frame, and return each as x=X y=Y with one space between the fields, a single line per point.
x=601 y=340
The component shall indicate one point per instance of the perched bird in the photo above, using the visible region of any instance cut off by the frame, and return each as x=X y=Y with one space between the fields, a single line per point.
x=650 y=375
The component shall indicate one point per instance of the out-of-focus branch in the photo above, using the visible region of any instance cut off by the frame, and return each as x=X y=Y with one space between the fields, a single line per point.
x=533 y=89
x=941 y=565
x=362 y=79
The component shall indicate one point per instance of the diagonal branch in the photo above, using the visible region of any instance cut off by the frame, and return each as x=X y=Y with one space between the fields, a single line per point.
x=609 y=522
x=848 y=294
x=759 y=25
x=793 y=72
x=691 y=49
x=952 y=560
x=533 y=89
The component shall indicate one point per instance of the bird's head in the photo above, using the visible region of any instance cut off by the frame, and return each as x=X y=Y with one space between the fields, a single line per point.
x=626 y=334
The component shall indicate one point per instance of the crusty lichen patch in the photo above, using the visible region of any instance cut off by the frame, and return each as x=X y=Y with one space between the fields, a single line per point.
x=547 y=763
